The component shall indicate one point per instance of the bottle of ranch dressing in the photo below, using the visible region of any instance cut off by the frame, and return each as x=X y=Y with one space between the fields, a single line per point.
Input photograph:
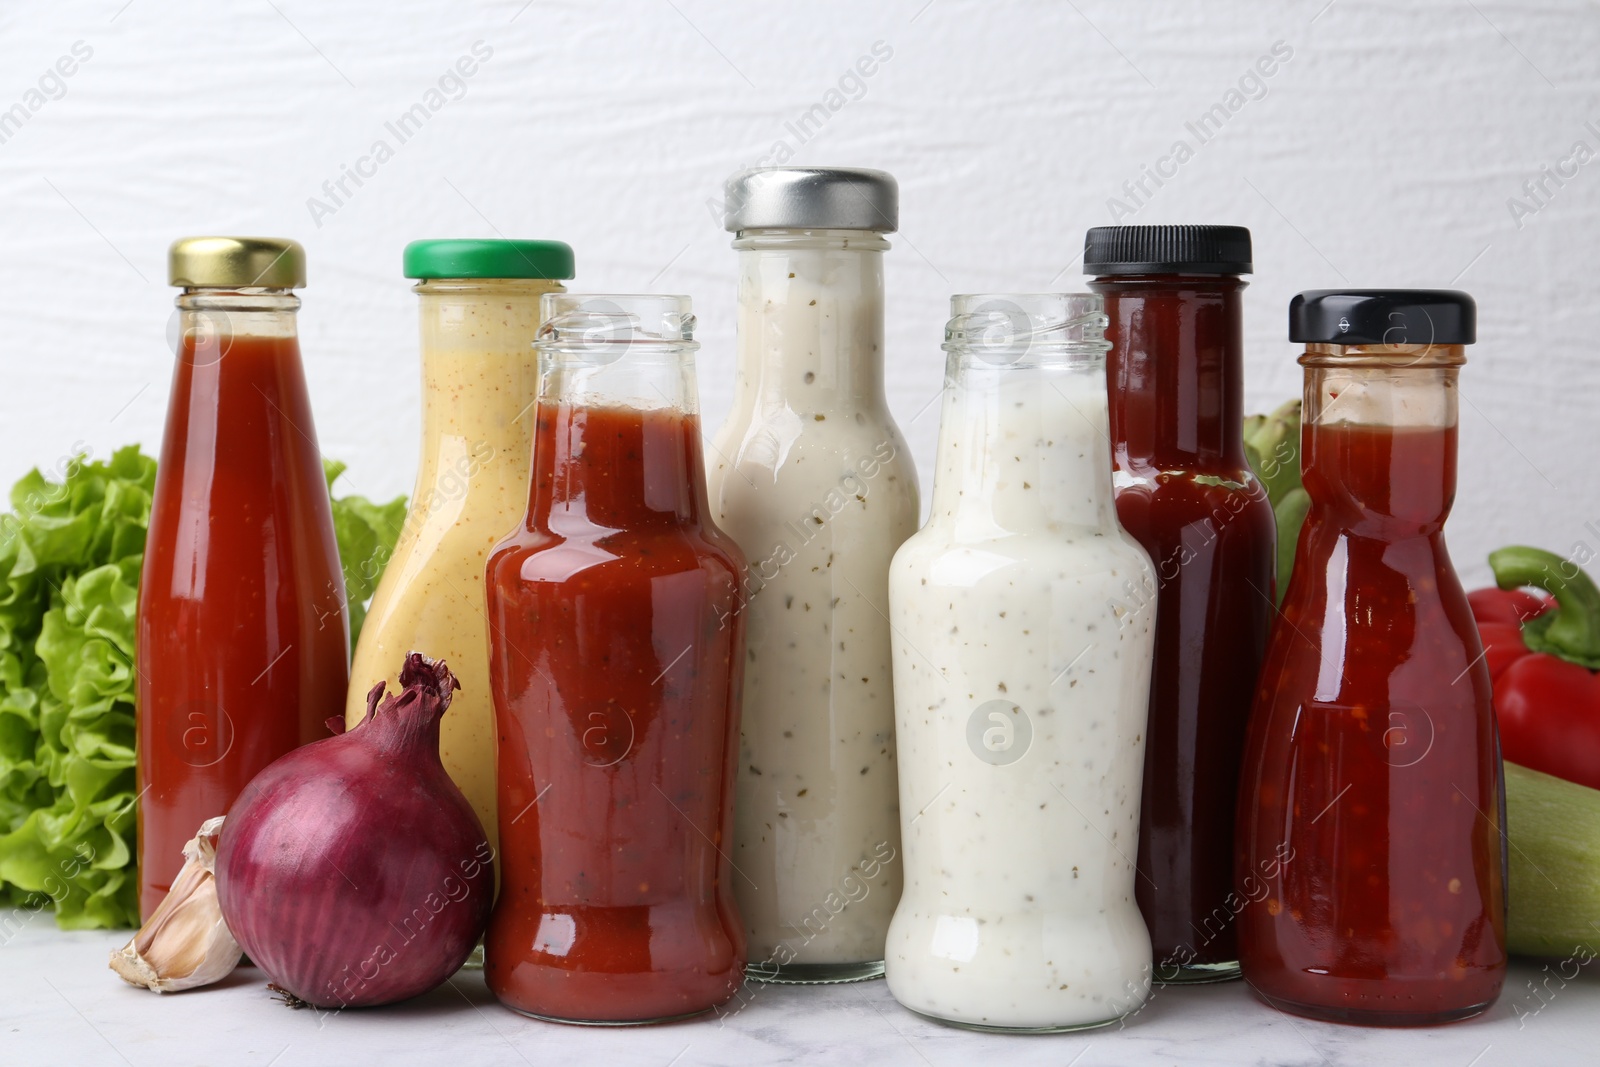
x=811 y=477
x=1023 y=619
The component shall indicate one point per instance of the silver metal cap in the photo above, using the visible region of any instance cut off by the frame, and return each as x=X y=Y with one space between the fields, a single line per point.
x=811 y=198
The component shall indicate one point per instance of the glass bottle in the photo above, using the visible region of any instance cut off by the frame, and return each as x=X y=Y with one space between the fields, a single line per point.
x=810 y=476
x=480 y=316
x=1186 y=493
x=616 y=639
x=1370 y=857
x=242 y=638
x=1022 y=651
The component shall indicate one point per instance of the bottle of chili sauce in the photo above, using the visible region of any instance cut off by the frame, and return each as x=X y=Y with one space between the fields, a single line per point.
x=616 y=641
x=1186 y=493
x=1371 y=848
x=243 y=644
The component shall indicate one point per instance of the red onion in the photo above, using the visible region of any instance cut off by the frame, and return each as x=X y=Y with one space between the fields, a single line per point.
x=352 y=870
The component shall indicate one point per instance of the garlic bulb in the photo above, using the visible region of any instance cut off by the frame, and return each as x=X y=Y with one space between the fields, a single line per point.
x=185 y=943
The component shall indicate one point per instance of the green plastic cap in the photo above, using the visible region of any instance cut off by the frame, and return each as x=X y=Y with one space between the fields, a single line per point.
x=467 y=258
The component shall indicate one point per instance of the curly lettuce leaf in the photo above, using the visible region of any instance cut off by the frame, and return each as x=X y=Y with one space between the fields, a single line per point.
x=70 y=553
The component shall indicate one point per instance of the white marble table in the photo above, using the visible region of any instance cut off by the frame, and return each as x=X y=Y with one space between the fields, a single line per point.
x=60 y=1005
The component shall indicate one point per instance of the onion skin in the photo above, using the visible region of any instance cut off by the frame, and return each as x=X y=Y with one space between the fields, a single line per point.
x=352 y=870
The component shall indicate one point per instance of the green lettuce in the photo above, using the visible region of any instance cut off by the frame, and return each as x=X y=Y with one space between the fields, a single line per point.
x=366 y=533
x=70 y=553
x=69 y=568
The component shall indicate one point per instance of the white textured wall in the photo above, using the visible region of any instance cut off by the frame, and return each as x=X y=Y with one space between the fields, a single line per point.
x=1384 y=152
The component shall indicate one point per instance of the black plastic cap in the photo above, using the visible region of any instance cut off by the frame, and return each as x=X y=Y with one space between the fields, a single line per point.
x=1167 y=250
x=1383 y=317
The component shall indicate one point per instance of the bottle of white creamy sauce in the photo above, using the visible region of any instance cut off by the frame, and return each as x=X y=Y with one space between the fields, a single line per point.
x=1023 y=619
x=811 y=477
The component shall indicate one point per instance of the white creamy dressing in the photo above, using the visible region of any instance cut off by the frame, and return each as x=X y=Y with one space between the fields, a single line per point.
x=1022 y=671
x=812 y=479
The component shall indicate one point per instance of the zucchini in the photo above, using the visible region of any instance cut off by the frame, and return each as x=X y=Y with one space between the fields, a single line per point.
x=1553 y=879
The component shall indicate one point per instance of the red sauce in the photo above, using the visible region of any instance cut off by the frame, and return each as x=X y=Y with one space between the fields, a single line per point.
x=243 y=648
x=615 y=658
x=1371 y=807
x=1185 y=493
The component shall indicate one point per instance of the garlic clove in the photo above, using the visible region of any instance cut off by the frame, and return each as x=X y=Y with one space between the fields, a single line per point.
x=186 y=943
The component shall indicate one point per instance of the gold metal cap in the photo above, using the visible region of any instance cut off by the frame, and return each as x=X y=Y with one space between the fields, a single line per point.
x=237 y=263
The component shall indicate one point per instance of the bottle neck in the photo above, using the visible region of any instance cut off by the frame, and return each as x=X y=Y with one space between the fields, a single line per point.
x=810 y=319
x=602 y=470
x=617 y=435
x=480 y=380
x=479 y=368
x=1175 y=370
x=239 y=402
x=210 y=320
x=1024 y=448
x=1379 y=436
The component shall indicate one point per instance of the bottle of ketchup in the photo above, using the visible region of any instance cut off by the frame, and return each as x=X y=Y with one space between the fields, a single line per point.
x=1186 y=493
x=616 y=642
x=1371 y=849
x=243 y=643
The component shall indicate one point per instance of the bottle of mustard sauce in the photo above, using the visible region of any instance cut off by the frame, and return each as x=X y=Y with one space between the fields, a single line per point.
x=480 y=377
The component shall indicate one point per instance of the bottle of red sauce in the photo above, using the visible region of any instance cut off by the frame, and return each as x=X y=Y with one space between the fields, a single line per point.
x=616 y=641
x=1371 y=848
x=243 y=645
x=1186 y=493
